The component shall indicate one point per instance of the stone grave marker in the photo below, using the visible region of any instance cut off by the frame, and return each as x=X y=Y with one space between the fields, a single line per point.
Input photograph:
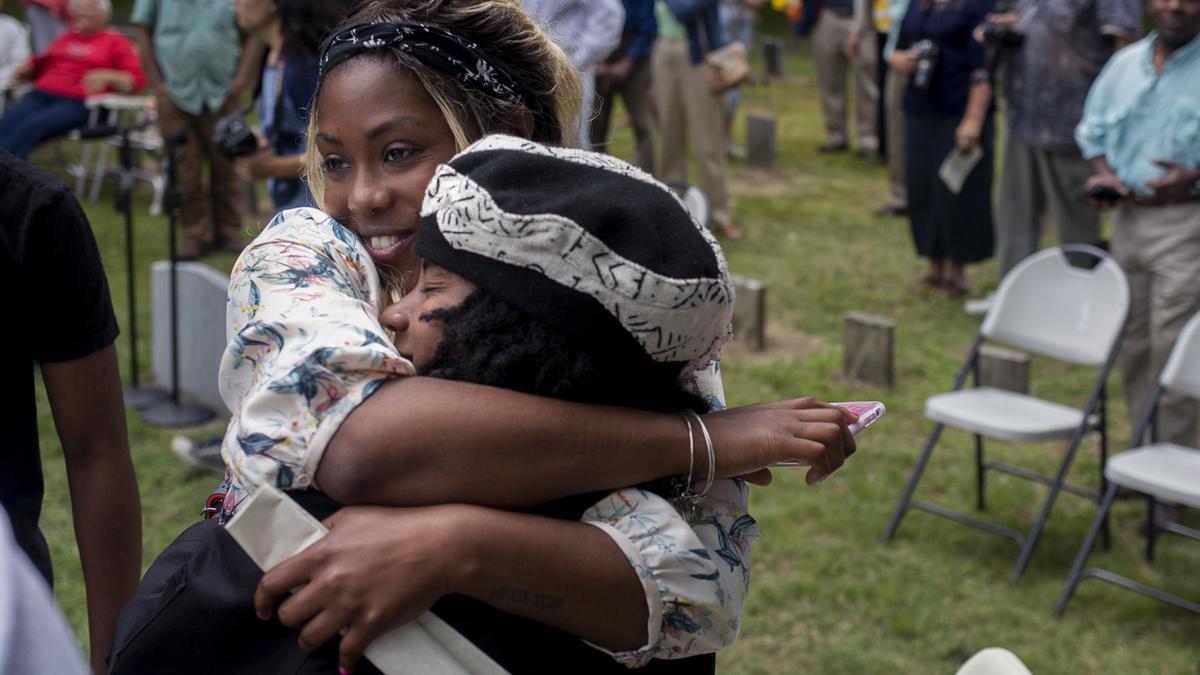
x=868 y=349
x=201 y=309
x=1004 y=369
x=773 y=57
x=750 y=313
x=760 y=140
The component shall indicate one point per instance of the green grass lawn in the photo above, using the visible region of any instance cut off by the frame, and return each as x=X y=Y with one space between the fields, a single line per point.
x=827 y=596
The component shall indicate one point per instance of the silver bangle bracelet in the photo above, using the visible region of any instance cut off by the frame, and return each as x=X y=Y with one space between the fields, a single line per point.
x=686 y=501
x=711 y=452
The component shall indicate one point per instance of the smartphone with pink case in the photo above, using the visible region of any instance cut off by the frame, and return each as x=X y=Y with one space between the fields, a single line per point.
x=868 y=413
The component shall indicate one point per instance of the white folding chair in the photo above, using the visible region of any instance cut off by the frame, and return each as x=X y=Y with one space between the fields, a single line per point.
x=125 y=109
x=993 y=661
x=1051 y=308
x=1161 y=471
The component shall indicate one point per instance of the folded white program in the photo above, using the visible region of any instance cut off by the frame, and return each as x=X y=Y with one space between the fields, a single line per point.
x=271 y=527
x=958 y=165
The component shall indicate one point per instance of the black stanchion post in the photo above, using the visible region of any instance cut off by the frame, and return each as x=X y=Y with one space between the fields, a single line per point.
x=173 y=413
x=136 y=395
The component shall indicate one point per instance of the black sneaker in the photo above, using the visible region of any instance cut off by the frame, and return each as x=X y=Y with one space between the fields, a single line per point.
x=204 y=455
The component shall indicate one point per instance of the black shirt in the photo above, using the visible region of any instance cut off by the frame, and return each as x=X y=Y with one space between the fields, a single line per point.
x=57 y=308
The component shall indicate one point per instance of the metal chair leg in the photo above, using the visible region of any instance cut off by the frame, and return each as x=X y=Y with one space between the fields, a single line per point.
x=1107 y=531
x=1089 y=541
x=81 y=177
x=980 y=473
x=100 y=173
x=1151 y=529
x=906 y=497
x=1039 y=524
x=1035 y=532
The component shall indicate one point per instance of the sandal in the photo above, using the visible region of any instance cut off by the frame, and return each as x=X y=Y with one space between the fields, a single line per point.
x=925 y=283
x=952 y=289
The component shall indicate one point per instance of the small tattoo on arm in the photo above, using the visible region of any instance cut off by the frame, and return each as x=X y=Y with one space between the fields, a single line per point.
x=526 y=598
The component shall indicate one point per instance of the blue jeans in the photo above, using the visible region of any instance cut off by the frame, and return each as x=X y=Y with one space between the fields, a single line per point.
x=37 y=117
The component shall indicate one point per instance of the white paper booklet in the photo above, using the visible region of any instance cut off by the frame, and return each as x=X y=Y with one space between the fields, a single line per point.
x=271 y=527
x=958 y=165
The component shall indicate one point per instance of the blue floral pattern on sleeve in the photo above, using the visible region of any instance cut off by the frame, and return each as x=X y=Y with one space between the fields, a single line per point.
x=696 y=576
x=306 y=347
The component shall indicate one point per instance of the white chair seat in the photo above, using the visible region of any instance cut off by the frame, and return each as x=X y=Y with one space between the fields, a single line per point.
x=1164 y=471
x=994 y=661
x=1003 y=414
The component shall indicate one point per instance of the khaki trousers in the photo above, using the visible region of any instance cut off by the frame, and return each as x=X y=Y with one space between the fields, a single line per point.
x=635 y=92
x=689 y=111
x=1159 y=249
x=1034 y=183
x=833 y=62
x=894 y=117
x=203 y=211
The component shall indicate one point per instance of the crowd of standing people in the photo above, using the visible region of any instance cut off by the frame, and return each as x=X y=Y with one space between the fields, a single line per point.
x=1096 y=119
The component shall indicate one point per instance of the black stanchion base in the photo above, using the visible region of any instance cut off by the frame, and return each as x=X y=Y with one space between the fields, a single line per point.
x=140 y=398
x=176 y=415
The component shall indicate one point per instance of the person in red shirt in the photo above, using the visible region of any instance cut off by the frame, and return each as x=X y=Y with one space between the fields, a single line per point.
x=88 y=59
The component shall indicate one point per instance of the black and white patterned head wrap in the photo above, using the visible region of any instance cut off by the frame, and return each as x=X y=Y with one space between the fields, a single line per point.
x=432 y=46
x=585 y=242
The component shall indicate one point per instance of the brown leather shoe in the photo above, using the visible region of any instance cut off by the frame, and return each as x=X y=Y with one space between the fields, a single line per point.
x=952 y=289
x=925 y=283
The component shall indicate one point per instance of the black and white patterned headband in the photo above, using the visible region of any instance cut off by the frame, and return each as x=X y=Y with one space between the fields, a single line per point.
x=432 y=46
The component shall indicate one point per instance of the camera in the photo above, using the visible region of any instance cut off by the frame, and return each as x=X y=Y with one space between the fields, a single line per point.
x=234 y=137
x=927 y=54
x=1000 y=39
x=1002 y=36
x=1109 y=196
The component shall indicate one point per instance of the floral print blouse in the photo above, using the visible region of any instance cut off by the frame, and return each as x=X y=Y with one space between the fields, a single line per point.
x=306 y=347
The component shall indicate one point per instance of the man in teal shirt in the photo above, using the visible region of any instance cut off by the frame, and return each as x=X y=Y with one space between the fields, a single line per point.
x=198 y=64
x=1141 y=133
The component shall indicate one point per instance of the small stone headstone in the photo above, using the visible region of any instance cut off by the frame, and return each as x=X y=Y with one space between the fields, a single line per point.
x=750 y=313
x=760 y=140
x=868 y=349
x=1004 y=369
x=201 y=309
x=773 y=57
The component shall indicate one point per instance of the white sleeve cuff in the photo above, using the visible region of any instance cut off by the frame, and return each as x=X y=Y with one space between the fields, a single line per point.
x=639 y=657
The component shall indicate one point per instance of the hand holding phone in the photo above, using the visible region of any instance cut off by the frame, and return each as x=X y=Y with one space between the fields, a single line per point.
x=868 y=412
